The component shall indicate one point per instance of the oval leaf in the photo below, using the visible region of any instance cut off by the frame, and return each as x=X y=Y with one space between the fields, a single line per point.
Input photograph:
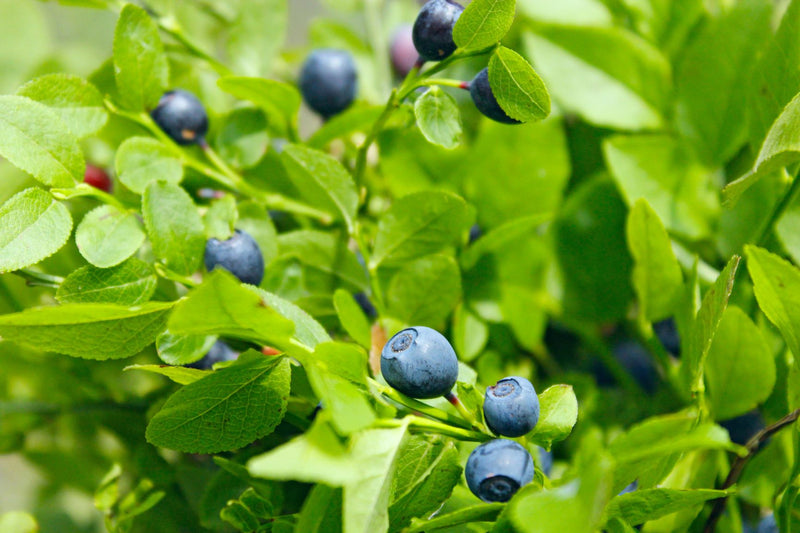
x=483 y=23
x=34 y=138
x=518 y=89
x=130 y=283
x=107 y=236
x=141 y=160
x=438 y=117
x=33 y=226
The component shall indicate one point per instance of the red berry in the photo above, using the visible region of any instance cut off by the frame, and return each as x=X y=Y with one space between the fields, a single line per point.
x=97 y=177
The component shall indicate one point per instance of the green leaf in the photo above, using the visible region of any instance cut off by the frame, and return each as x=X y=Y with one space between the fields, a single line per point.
x=518 y=89
x=438 y=118
x=592 y=252
x=90 y=331
x=280 y=101
x=242 y=139
x=662 y=171
x=418 y=224
x=423 y=480
x=306 y=329
x=325 y=252
x=485 y=512
x=225 y=410
x=34 y=139
x=470 y=333
x=608 y=76
x=254 y=219
x=740 y=369
x=657 y=276
x=558 y=413
x=140 y=65
x=140 y=160
x=425 y=291
x=179 y=374
x=18 y=522
x=352 y=318
x=776 y=284
x=222 y=305
x=33 y=226
x=483 y=23
x=220 y=218
x=705 y=325
x=644 y=505
x=174 y=227
x=712 y=94
x=130 y=283
x=323 y=180
x=107 y=236
x=322 y=511
x=355 y=118
x=76 y=101
x=257 y=35
x=183 y=349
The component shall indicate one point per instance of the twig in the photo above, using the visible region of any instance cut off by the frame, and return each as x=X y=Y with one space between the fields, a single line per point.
x=753 y=446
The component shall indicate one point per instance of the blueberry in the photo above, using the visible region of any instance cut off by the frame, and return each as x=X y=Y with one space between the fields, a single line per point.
x=634 y=485
x=182 y=116
x=497 y=469
x=637 y=361
x=328 y=81
x=667 y=333
x=433 y=29
x=239 y=255
x=546 y=460
x=484 y=99
x=403 y=54
x=767 y=525
x=511 y=407
x=420 y=363
x=742 y=428
x=366 y=305
x=218 y=353
x=97 y=178
x=475 y=233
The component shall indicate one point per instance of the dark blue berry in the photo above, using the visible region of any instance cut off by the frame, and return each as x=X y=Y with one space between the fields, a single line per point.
x=420 y=363
x=637 y=361
x=239 y=255
x=403 y=54
x=363 y=301
x=433 y=29
x=634 y=485
x=667 y=332
x=328 y=81
x=768 y=525
x=182 y=116
x=497 y=469
x=484 y=99
x=475 y=233
x=742 y=428
x=511 y=407
x=218 y=353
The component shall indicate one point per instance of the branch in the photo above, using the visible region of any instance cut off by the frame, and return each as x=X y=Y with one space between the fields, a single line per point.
x=753 y=446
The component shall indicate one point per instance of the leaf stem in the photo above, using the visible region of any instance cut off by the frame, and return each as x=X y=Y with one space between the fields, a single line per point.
x=84 y=189
x=418 y=406
x=39 y=279
x=446 y=82
x=166 y=273
x=753 y=447
x=777 y=212
x=462 y=410
x=433 y=426
x=169 y=27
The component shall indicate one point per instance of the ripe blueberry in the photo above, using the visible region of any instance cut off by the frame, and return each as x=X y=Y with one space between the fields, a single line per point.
x=667 y=333
x=475 y=233
x=497 y=469
x=484 y=99
x=328 y=81
x=97 y=178
x=420 y=363
x=511 y=407
x=218 y=353
x=404 y=55
x=239 y=255
x=433 y=29
x=182 y=116
x=743 y=427
x=767 y=525
x=632 y=486
x=635 y=359
x=364 y=302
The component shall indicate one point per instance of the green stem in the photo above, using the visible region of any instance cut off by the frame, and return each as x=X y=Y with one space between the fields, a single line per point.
x=779 y=209
x=173 y=30
x=462 y=410
x=433 y=426
x=39 y=279
x=84 y=189
x=418 y=406
x=446 y=82
x=377 y=127
x=166 y=273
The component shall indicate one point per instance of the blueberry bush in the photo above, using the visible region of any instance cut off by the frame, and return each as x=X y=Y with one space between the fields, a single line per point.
x=508 y=266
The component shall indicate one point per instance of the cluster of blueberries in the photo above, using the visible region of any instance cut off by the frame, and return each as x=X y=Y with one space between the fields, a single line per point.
x=329 y=80
x=420 y=363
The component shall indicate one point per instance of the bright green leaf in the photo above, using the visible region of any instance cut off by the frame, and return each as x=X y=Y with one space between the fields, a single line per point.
x=257 y=35
x=140 y=160
x=130 y=283
x=352 y=318
x=483 y=23
x=183 y=349
x=438 y=117
x=558 y=413
x=179 y=374
x=642 y=505
x=518 y=89
x=107 y=236
x=425 y=291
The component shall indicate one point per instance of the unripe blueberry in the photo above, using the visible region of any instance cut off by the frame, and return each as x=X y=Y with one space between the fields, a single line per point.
x=182 y=116
x=767 y=525
x=404 y=55
x=484 y=99
x=433 y=29
x=97 y=178
x=420 y=363
x=218 y=353
x=328 y=81
x=240 y=255
x=497 y=469
x=511 y=407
